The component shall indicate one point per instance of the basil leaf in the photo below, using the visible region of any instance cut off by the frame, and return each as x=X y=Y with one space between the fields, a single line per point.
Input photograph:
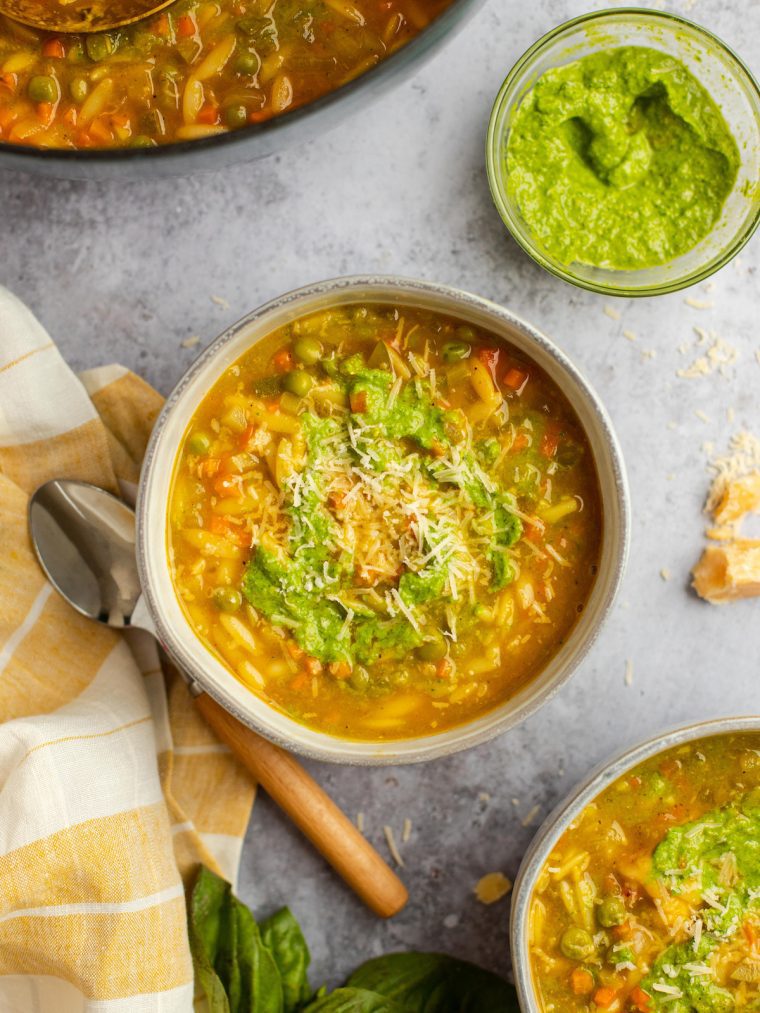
x=353 y=1000
x=261 y=987
x=282 y=935
x=435 y=983
x=207 y=902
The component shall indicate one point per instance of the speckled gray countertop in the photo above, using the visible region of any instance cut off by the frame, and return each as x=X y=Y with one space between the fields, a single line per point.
x=126 y=272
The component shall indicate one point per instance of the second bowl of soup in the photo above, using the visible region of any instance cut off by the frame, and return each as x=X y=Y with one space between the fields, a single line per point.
x=381 y=520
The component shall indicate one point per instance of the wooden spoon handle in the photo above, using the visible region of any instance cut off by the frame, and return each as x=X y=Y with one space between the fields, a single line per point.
x=312 y=810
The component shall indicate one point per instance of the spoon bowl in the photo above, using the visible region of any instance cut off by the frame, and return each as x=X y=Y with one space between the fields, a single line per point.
x=84 y=539
x=79 y=15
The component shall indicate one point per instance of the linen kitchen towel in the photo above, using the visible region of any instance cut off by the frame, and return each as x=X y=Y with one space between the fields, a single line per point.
x=111 y=787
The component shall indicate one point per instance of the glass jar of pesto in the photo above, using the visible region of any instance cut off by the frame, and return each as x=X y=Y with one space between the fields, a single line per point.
x=624 y=152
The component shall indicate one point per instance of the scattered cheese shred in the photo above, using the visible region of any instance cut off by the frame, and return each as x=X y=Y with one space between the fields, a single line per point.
x=717 y=357
x=699 y=304
x=191 y=342
x=630 y=335
x=665 y=573
x=360 y=822
x=628 y=677
x=611 y=312
x=220 y=301
x=407 y=831
x=530 y=818
x=392 y=846
x=492 y=887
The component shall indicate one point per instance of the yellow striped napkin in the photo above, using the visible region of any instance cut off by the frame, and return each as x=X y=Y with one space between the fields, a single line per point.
x=111 y=787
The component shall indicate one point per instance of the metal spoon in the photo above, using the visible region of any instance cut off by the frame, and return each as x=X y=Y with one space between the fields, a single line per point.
x=80 y=15
x=84 y=539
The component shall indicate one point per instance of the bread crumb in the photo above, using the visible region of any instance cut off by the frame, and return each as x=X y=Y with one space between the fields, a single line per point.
x=451 y=921
x=392 y=847
x=220 y=301
x=611 y=312
x=484 y=796
x=515 y=801
x=492 y=887
x=628 y=677
x=702 y=415
x=191 y=342
x=699 y=304
x=665 y=573
x=406 y=833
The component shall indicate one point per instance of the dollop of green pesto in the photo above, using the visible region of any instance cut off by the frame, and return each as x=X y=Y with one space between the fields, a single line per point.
x=620 y=159
x=717 y=858
x=395 y=440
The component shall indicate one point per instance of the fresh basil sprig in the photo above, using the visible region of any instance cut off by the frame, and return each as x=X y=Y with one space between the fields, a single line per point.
x=244 y=968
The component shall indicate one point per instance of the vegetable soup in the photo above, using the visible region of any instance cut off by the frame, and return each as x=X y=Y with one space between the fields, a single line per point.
x=199 y=68
x=384 y=521
x=651 y=900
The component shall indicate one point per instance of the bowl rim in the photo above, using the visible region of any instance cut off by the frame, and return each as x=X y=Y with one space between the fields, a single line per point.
x=493 y=139
x=392 y=68
x=556 y=823
x=161 y=455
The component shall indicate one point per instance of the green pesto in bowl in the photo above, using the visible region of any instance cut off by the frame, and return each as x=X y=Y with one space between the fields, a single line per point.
x=620 y=159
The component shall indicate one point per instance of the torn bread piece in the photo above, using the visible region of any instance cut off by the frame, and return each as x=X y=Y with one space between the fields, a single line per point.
x=740 y=497
x=729 y=571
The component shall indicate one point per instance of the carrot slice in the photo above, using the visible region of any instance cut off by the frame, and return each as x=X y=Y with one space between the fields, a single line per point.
x=54 y=48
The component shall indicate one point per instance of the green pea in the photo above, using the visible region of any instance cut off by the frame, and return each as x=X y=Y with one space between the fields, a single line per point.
x=236 y=116
x=99 y=47
x=466 y=333
x=299 y=382
x=455 y=351
x=199 y=443
x=227 y=599
x=43 y=88
x=359 y=679
x=308 y=350
x=247 y=63
x=576 y=944
x=611 y=912
x=78 y=89
x=433 y=649
x=142 y=141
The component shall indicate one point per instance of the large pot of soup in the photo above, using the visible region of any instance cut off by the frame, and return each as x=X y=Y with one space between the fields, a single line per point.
x=204 y=83
x=381 y=520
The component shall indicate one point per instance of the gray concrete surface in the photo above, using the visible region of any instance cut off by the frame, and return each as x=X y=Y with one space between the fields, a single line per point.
x=126 y=272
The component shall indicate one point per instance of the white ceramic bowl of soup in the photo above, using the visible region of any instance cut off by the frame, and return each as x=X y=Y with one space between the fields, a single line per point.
x=203 y=667
x=568 y=811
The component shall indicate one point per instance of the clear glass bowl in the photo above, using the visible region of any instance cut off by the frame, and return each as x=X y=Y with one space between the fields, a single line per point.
x=725 y=78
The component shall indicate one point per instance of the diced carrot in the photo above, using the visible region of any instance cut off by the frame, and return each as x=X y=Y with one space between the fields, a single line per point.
x=515 y=378
x=641 y=1000
x=45 y=112
x=520 y=442
x=340 y=669
x=313 y=666
x=209 y=113
x=283 y=360
x=581 y=981
x=749 y=933
x=70 y=117
x=336 y=499
x=259 y=115
x=99 y=130
x=209 y=467
x=358 y=401
x=605 y=996
x=83 y=140
x=624 y=931
x=550 y=441
x=9 y=81
x=226 y=484
x=246 y=436
x=273 y=405
x=300 y=682
x=443 y=669
x=219 y=525
x=161 y=25
x=185 y=26
x=490 y=358
x=7 y=117
x=54 y=48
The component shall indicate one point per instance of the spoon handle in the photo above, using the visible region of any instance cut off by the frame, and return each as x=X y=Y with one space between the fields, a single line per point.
x=312 y=810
